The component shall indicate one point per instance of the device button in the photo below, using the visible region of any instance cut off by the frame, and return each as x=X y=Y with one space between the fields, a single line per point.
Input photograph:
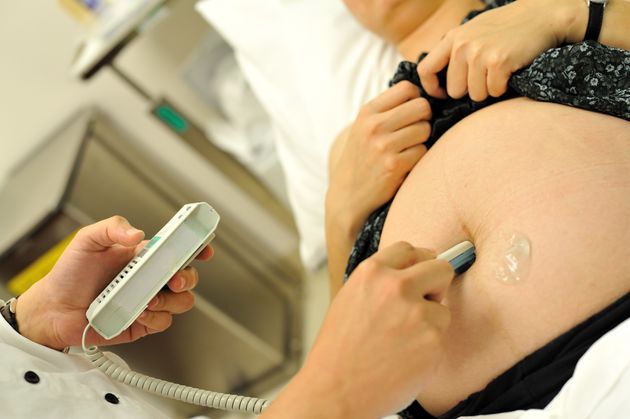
x=112 y=398
x=31 y=377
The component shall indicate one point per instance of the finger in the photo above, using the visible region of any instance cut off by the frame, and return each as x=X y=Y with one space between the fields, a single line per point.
x=457 y=75
x=477 y=77
x=393 y=97
x=140 y=246
x=430 y=279
x=206 y=253
x=409 y=136
x=155 y=321
x=171 y=302
x=432 y=64
x=401 y=255
x=408 y=113
x=184 y=280
x=109 y=232
x=144 y=325
x=439 y=314
x=497 y=81
x=412 y=155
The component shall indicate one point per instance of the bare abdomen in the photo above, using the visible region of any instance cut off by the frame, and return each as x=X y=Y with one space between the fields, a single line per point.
x=555 y=176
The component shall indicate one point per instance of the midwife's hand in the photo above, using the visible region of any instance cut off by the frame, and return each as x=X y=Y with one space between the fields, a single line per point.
x=52 y=312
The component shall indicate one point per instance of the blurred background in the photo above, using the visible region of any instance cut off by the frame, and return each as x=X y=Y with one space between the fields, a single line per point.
x=136 y=108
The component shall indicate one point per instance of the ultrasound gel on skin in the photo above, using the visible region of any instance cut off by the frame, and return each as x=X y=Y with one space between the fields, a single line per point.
x=513 y=263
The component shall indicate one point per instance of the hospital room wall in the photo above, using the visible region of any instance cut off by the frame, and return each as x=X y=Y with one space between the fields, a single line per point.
x=37 y=92
x=38 y=95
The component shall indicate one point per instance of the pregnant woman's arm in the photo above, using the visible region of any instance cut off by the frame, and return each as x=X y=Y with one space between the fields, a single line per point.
x=367 y=165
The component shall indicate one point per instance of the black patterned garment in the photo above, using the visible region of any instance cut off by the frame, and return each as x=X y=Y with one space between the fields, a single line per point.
x=586 y=75
x=534 y=381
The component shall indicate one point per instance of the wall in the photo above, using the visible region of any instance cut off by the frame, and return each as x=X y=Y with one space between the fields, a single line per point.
x=38 y=95
x=37 y=40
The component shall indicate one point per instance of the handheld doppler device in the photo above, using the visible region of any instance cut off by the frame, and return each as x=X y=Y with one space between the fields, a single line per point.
x=461 y=256
x=128 y=294
x=170 y=250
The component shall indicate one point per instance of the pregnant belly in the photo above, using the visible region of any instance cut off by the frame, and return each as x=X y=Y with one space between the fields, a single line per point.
x=543 y=191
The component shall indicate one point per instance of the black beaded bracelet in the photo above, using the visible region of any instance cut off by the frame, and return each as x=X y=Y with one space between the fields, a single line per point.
x=8 y=312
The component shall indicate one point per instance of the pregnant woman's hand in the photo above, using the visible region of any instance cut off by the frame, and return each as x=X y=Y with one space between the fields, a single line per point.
x=483 y=53
x=383 y=145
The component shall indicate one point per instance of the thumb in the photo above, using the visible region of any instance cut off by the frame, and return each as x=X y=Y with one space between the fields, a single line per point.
x=107 y=233
x=401 y=255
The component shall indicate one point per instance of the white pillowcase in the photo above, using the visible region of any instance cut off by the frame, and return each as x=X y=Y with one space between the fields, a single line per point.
x=312 y=66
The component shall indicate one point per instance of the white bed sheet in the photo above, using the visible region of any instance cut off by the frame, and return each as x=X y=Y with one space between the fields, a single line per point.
x=312 y=66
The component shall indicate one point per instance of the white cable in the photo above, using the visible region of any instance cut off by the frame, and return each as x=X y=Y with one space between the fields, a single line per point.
x=172 y=390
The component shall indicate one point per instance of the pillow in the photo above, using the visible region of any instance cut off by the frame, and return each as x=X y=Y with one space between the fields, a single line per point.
x=312 y=66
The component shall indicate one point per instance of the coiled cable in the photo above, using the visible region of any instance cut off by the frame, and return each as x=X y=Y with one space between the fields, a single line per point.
x=171 y=390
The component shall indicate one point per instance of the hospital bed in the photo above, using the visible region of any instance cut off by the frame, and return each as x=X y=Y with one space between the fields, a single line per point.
x=311 y=66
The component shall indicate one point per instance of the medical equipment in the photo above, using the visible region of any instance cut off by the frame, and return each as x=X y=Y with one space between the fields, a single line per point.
x=129 y=293
x=461 y=256
x=171 y=249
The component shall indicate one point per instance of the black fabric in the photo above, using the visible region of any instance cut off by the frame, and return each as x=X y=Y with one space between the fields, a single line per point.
x=534 y=382
x=446 y=112
x=595 y=19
